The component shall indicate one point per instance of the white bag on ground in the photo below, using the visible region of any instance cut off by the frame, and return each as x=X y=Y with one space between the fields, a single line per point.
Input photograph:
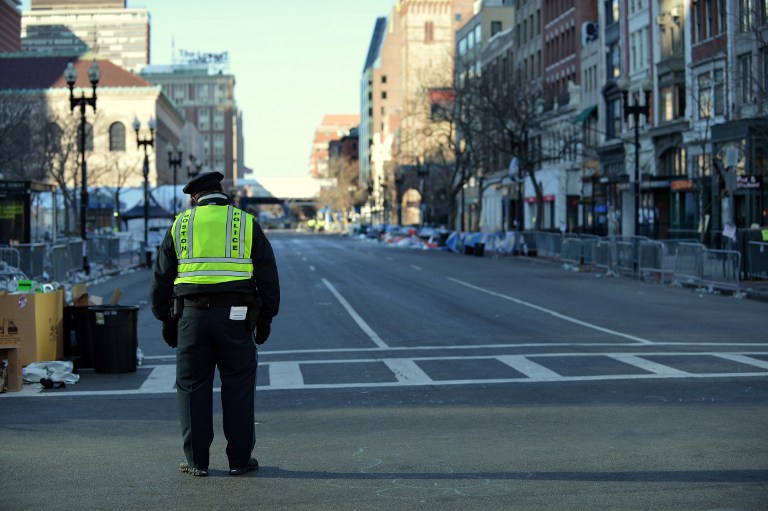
x=58 y=371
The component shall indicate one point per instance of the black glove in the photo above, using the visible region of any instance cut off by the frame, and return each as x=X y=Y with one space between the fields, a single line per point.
x=171 y=332
x=262 y=333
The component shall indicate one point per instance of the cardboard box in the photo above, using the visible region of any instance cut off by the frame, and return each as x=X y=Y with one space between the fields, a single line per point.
x=13 y=381
x=33 y=323
x=81 y=297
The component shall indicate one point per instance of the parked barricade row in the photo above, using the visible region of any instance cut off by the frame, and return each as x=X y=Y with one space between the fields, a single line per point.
x=720 y=269
x=757 y=260
x=688 y=262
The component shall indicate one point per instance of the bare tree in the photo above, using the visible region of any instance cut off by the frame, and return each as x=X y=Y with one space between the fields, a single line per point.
x=345 y=191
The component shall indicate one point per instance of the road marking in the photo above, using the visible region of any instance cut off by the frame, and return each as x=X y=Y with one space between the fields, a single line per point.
x=552 y=313
x=743 y=359
x=162 y=378
x=648 y=365
x=360 y=321
x=285 y=374
x=529 y=368
x=407 y=371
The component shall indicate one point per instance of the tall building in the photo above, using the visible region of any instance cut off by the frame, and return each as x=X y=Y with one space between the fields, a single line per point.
x=415 y=56
x=205 y=94
x=333 y=127
x=366 y=99
x=10 y=26
x=105 y=28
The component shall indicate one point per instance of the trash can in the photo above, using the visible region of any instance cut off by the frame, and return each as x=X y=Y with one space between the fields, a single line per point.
x=112 y=334
x=469 y=249
x=479 y=249
x=77 y=345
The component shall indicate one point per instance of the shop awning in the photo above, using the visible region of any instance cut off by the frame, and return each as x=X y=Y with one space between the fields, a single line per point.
x=584 y=114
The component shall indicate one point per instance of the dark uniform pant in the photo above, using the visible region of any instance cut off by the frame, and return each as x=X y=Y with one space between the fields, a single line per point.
x=207 y=339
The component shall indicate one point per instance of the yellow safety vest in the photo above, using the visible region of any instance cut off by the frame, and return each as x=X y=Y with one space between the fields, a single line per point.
x=213 y=245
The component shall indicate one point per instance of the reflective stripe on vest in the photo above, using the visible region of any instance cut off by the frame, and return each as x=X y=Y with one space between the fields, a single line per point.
x=212 y=245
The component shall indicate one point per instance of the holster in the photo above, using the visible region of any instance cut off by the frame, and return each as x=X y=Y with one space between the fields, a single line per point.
x=178 y=307
x=254 y=307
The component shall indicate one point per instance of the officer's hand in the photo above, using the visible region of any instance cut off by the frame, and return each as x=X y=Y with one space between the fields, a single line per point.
x=171 y=332
x=262 y=332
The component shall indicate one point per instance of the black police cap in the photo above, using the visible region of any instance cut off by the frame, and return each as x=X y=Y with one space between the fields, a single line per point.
x=203 y=182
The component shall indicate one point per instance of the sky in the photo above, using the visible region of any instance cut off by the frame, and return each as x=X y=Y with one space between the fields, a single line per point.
x=293 y=61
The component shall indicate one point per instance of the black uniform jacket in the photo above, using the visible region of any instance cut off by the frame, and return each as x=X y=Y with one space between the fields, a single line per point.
x=265 y=282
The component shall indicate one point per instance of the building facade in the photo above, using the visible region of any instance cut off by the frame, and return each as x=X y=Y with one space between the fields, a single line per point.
x=46 y=132
x=207 y=101
x=10 y=26
x=107 y=29
x=332 y=128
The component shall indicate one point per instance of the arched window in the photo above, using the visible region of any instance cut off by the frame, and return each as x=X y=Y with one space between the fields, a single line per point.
x=20 y=137
x=117 y=137
x=53 y=137
x=88 y=137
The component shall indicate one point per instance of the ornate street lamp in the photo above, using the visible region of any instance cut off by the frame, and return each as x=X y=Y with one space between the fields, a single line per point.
x=174 y=161
x=635 y=111
x=146 y=142
x=193 y=164
x=70 y=75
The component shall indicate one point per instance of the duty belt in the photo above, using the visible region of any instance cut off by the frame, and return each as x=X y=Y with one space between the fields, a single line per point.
x=214 y=301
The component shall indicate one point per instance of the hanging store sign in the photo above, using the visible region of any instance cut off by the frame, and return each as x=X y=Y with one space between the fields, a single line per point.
x=681 y=185
x=749 y=182
x=545 y=198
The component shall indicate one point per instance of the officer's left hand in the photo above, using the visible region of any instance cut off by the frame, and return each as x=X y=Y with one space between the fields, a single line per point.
x=171 y=332
x=262 y=333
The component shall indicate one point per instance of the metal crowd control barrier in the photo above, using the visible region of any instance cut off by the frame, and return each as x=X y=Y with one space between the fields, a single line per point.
x=604 y=255
x=548 y=243
x=32 y=258
x=650 y=259
x=570 y=250
x=720 y=269
x=688 y=263
x=61 y=262
x=757 y=260
x=10 y=256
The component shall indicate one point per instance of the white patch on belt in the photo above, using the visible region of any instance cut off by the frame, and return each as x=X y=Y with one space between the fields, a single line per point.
x=238 y=313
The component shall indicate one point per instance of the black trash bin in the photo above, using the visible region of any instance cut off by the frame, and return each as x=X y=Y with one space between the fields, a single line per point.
x=77 y=345
x=112 y=334
x=479 y=249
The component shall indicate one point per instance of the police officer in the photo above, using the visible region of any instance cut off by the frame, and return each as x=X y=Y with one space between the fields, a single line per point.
x=214 y=281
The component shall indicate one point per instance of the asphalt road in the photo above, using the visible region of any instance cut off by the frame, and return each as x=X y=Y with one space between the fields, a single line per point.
x=402 y=379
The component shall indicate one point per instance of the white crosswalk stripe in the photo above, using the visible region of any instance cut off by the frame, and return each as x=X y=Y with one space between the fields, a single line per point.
x=410 y=371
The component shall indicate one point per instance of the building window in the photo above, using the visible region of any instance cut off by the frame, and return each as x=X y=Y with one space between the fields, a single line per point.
x=383 y=94
x=204 y=119
x=478 y=34
x=429 y=32
x=218 y=120
x=117 y=137
x=203 y=91
x=705 y=95
x=744 y=68
x=495 y=27
x=383 y=78
x=718 y=92
x=53 y=137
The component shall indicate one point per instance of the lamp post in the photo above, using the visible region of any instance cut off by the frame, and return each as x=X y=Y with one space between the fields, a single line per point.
x=70 y=75
x=146 y=142
x=174 y=161
x=193 y=164
x=635 y=111
x=399 y=197
x=422 y=170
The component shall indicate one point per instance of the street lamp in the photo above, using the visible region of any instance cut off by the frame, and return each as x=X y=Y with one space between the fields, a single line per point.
x=193 y=164
x=635 y=111
x=422 y=170
x=175 y=163
x=146 y=142
x=70 y=75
